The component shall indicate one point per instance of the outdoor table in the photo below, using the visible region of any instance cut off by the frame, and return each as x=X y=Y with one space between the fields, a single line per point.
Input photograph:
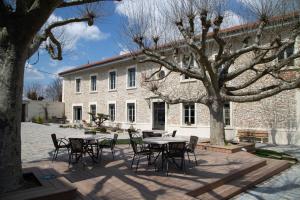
x=88 y=141
x=163 y=141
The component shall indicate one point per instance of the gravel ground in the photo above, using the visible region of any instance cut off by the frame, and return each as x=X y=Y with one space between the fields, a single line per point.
x=37 y=143
x=285 y=185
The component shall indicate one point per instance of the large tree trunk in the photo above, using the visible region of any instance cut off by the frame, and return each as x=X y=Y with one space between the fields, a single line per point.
x=12 y=61
x=217 y=132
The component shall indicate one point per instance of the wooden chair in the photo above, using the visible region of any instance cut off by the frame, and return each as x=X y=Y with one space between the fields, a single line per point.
x=59 y=143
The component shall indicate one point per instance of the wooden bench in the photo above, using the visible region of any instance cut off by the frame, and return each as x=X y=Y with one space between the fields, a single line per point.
x=253 y=135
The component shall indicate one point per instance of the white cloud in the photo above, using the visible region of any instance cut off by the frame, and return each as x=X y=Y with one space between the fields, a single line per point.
x=231 y=19
x=124 y=51
x=64 y=68
x=72 y=33
x=31 y=73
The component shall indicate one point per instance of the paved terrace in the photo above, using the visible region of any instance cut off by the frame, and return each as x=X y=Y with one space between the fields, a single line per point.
x=113 y=179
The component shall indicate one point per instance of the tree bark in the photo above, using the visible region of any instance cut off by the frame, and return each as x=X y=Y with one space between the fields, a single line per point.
x=12 y=61
x=217 y=132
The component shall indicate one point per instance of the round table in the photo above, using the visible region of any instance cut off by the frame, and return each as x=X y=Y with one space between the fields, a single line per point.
x=163 y=141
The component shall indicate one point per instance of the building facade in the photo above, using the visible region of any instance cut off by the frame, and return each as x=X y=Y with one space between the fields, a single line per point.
x=115 y=87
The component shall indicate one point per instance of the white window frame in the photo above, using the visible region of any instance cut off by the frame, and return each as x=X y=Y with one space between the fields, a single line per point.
x=90 y=85
x=77 y=105
x=182 y=79
x=127 y=77
x=92 y=103
x=109 y=89
x=115 y=103
x=151 y=111
x=182 y=124
x=126 y=111
x=285 y=56
x=80 y=87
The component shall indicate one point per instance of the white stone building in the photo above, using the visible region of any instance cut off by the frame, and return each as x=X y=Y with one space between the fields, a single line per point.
x=114 y=86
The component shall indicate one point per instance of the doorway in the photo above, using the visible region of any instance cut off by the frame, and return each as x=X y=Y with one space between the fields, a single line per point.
x=158 y=116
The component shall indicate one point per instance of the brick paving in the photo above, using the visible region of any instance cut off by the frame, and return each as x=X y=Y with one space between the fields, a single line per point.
x=111 y=179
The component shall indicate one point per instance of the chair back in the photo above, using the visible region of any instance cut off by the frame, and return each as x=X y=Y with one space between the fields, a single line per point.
x=174 y=133
x=176 y=149
x=54 y=140
x=134 y=146
x=114 y=141
x=147 y=134
x=76 y=145
x=193 y=143
x=90 y=132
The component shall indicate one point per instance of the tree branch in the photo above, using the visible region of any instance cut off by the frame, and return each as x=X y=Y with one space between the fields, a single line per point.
x=201 y=99
x=38 y=40
x=80 y=2
x=262 y=95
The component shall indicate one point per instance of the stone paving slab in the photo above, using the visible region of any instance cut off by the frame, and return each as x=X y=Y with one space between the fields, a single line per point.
x=286 y=185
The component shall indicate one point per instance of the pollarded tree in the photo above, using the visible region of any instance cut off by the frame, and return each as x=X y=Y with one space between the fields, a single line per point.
x=21 y=35
x=244 y=68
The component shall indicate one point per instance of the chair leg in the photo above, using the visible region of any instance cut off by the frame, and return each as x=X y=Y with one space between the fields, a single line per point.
x=113 y=154
x=56 y=154
x=53 y=157
x=137 y=164
x=132 y=161
x=195 y=158
x=70 y=158
x=188 y=156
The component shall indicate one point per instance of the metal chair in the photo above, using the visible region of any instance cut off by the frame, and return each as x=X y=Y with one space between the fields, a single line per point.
x=175 y=150
x=109 y=144
x=191 y=147
x=77 y=149
x=59 y=143
x=139 y=152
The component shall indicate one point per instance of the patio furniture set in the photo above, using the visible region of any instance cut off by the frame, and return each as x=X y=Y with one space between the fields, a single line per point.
x=167 y=146
x=89 y=144
x=154 y=145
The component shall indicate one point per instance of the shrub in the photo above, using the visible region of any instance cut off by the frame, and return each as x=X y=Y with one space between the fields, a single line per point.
x=40 y=120
x=102 y=129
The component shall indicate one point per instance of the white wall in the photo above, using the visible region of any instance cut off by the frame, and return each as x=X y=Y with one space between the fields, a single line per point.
x=36 y=109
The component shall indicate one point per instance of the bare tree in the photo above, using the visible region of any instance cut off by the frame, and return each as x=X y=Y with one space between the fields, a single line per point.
x=54 y=90
x=242 y=69
x=21 y=35
x=34 y=91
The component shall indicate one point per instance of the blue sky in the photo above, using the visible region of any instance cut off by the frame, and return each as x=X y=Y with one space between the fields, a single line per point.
x=85 y=50
x=92 y=44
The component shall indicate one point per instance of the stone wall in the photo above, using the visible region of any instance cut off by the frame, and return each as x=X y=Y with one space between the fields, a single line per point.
x=278 y=115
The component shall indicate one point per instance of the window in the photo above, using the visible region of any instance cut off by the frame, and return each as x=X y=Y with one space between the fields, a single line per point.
x=226 y=111
x=112 y=80
x=188 y=62
x=93 y=109
x=93 y=83
x=78 y=85
x=77 y=113
x=131 y=78
x=112 y=111
x=131 y=112
x=189 y=114
x=287 y=53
